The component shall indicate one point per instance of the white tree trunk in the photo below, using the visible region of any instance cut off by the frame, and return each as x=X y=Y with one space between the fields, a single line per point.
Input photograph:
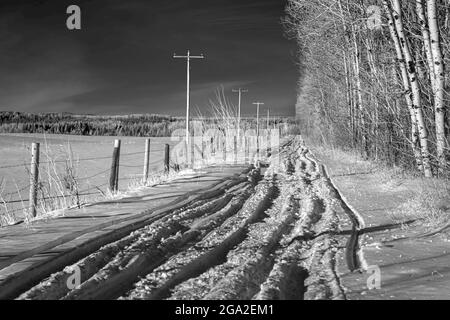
x=426 y=40
x=362 y=122
x=415 y=88
x=439 y=80
x=348 y=76
x=415 y=145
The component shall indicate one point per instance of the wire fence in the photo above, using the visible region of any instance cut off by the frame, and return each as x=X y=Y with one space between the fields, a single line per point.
x=10 y=166
x=53 y=179
x=91 y=187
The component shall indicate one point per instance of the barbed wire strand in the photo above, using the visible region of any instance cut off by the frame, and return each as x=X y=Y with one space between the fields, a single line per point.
x=83 y=192
x=8 y=166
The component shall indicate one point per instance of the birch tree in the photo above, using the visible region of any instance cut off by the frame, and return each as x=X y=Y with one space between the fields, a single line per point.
x=382 y=90
x=439 y=83
x=415 y=145
x=415 y=88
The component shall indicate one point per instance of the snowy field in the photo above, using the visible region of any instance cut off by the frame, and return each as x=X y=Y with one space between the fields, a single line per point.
x=90 y=158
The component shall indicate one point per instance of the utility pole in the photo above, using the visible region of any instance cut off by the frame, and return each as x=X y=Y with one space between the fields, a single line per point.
x=268 y=134
x=257 y=116
x=257 y=127
x=240 y=91
x=188 y=58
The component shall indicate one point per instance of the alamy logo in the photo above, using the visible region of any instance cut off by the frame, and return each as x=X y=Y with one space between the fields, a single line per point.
x=74 y=280
x=215 y=146
x=374 y=21
x=73 y=22
x=374 y=280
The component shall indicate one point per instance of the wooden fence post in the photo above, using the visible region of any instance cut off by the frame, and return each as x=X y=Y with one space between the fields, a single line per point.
x=203 y=150
x=146 y=160
x=118 y=166
x=192 y=150
x=257 y=147
x=235 y=150
x=212 y=146
x=167 y=159
x=218 y=142
x=224 y=145
x=213 y=152
x=246 y=150
x=34 y=178
x=114 y=176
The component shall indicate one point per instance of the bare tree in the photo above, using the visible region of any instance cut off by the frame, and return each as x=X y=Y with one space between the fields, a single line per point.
x=381 y=89
x=438 y=77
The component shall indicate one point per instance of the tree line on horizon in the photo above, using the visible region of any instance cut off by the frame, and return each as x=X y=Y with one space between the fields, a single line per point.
x=374 y=77
x=134 y=125
x=89 y=125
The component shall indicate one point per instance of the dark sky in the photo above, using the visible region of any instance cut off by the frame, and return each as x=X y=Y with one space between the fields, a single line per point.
x=121 y=61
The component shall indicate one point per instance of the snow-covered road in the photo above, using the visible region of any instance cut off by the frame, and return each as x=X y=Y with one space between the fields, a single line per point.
x=273 y=234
